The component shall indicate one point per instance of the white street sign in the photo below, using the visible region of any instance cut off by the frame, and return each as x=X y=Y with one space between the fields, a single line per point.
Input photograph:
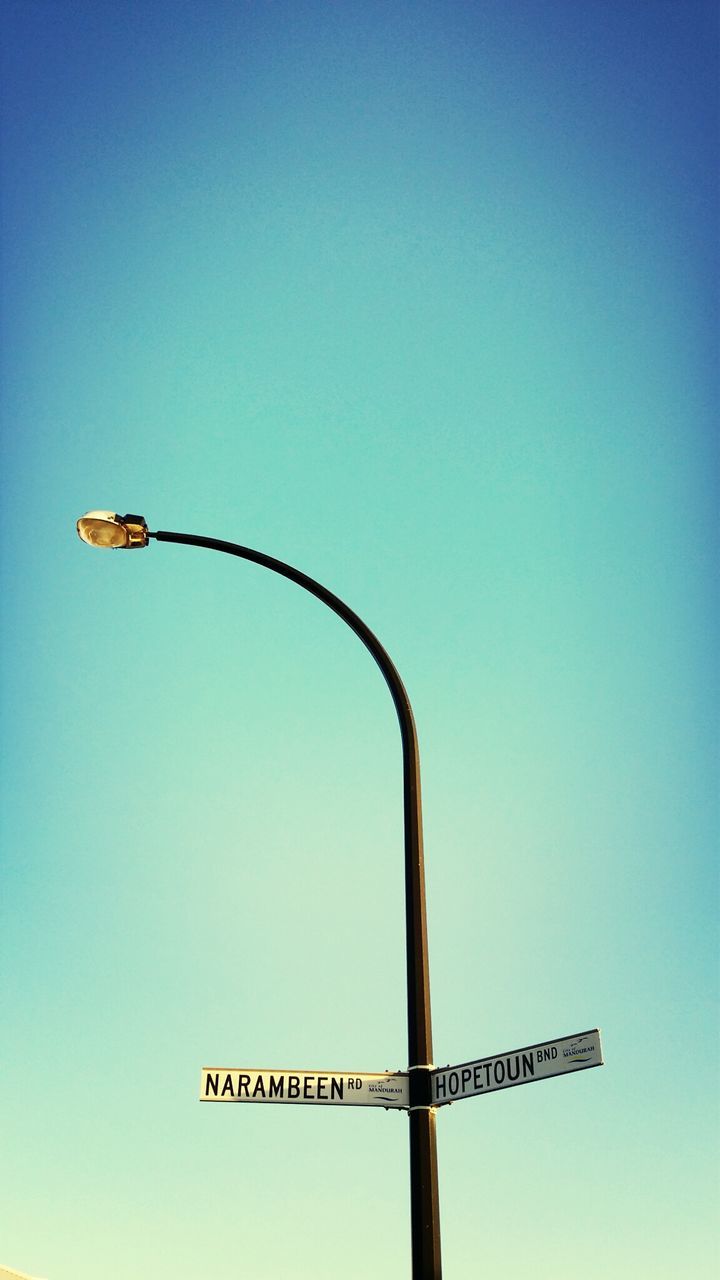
x=521 y=1066
x=328 y=1088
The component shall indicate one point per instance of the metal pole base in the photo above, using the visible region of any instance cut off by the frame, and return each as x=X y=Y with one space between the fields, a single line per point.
x=424 y=1202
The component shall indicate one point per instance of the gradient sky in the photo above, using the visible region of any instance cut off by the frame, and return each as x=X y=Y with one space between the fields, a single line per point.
x=420 y=298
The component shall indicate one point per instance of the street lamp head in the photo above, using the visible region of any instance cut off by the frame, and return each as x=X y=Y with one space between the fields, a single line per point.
x=106 y=529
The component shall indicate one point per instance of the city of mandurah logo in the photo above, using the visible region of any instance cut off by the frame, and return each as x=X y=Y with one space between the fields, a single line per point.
x=387 y=1090
x=579 y=1051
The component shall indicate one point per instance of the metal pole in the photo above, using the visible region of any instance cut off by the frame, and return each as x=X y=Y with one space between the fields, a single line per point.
x=424 y=1202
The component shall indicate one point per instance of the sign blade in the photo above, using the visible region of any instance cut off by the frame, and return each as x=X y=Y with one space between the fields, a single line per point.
x=324 y=1088
x=520 y=1066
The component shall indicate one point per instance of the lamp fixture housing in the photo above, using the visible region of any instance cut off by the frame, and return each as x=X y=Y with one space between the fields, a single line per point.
x=107 y=529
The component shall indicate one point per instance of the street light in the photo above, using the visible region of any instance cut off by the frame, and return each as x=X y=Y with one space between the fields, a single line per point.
x=108 y=530
x=105 y=529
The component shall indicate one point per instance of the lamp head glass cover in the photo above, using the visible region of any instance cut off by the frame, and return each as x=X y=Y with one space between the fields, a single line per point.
x=106 y=529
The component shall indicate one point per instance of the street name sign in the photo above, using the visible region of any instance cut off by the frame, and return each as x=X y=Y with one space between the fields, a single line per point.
x=328 y=1088
x=521 y=1066
x=392 y=1088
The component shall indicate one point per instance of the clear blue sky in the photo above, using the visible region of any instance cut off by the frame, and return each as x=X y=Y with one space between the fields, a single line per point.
x=420 y=298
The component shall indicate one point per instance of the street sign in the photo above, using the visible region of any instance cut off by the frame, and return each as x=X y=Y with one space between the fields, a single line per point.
x=328 y=1088
x=521 y=1066
x=391 y=1088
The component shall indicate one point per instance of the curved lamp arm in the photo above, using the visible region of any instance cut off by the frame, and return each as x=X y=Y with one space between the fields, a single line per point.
x=419 y=1024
